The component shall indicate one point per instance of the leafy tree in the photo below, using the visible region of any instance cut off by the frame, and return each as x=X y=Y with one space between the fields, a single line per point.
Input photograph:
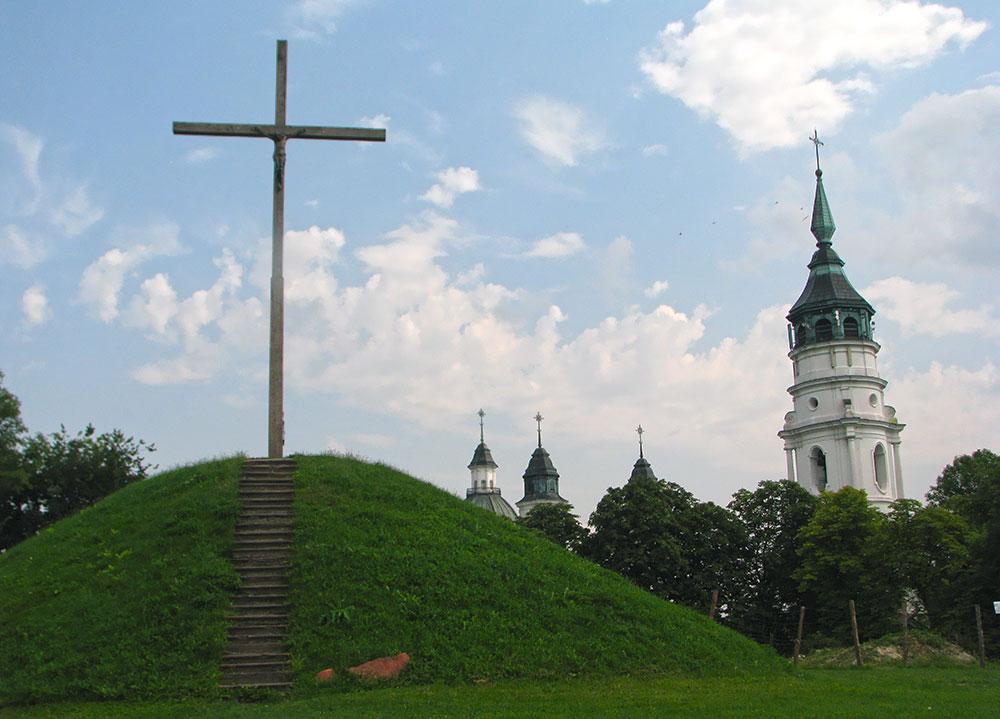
x=933 y=547
x=767 y=596
x=62 y=474
x=844 y=552
x=657 y=534
x=11 y=435
x=556 y=522
x=970 y=486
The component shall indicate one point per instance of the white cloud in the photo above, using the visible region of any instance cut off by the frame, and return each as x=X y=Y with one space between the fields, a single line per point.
x=28 y=148
x=200 y=155
x=35 y=306
x=767 y=72
x=655 y=150
x=76 y=213
x=20 y=250
x=375 y=121
x=154 y=306
x=102 y=280
x=561 y=244
x=942 y=155
x=923 y=308
x=313 y=18
x=451 y=182
x=948 y=410
x=558 y=130
x=656 y=289
x=616 y=268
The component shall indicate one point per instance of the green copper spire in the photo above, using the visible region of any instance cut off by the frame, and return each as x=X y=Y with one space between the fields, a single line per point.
x=822 y=220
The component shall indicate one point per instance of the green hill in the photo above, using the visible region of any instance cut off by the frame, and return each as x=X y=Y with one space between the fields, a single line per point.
x=128 y=597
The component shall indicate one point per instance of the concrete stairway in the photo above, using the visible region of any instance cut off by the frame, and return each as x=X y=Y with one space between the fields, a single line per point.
x=257 y=653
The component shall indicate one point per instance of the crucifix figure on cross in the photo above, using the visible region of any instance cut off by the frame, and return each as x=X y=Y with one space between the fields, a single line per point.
x=279 y=133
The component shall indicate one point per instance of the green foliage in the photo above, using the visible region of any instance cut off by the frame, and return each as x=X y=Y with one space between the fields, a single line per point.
x=124 y=598
x=385 y=564
x=557 y=523
x=62 y=474
x=656 y=534
x=932 y=547
x=11 y=437
x=970 y=486
x=844 y=555
x=767 y=595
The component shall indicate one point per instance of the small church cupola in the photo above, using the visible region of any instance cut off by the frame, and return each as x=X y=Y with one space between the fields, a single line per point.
x=840 y=432
x=641 y=467
x=484 y=492
x=829 y=307
x=541 y=480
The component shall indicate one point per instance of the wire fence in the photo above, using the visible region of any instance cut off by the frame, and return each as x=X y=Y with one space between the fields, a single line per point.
x=792 y=631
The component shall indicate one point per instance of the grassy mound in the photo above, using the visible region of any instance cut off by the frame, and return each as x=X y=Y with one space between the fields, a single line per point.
x=128 y=598
x=125 y=598
x=387 y=564
x=925 y=649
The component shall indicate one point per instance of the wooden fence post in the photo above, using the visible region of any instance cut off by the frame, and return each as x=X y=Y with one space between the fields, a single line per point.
x=798 y=635
x=714 y=604
x=906 y=635
x=979 y=631
x=854 y=631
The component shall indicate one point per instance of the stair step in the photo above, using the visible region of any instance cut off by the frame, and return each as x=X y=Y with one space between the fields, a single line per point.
x=263 y=532
x=249 y=662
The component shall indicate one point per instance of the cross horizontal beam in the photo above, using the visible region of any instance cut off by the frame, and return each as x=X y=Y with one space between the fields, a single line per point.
x=274 y=132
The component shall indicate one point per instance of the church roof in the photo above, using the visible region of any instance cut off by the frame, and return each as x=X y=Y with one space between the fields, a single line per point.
x=540 y=465
x=482 y=457
x=642 y=469
x=827 y=287
x=493 y=502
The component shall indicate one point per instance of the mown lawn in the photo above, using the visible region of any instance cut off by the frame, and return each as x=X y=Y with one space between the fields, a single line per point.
x=817 y=693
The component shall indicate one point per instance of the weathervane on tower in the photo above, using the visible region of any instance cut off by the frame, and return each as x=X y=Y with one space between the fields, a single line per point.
x=639 y=431
x=481 y=414
x=538 y=419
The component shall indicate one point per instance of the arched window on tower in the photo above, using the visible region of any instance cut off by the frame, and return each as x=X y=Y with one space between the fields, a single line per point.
x=824 y=330
x=800 y=335
x=881 y=468
x=818 y=462
x=851 y=328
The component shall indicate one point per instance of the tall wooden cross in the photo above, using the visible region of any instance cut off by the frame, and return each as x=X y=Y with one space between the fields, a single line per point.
x=279 y=133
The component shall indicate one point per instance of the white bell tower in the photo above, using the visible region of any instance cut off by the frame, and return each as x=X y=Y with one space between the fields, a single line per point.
x=840 y=432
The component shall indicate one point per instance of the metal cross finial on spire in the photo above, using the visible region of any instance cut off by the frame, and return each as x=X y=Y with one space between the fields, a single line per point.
x=538 y=419
x=817 y=142
x=639 y=431
x=481 y=415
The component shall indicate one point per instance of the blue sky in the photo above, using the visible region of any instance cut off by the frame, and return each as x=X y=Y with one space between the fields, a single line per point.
x=596 y=210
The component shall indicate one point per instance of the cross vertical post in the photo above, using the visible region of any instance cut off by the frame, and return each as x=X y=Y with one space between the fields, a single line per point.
x=276 y=353
x=279 y=133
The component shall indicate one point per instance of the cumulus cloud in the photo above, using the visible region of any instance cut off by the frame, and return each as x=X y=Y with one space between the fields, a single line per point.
x=762 y=71
x=946 y=407
x=451 y=182
x=561 y=132
x=102 y=279
x=35 y=306
x=656 y=289
x=924 y=308
x=561 y=244
x=655 y=150
x=943 y=158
